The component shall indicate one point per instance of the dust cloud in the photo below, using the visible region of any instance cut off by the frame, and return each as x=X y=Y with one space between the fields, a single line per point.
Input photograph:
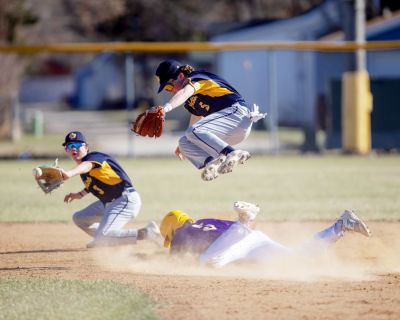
x=352 y=258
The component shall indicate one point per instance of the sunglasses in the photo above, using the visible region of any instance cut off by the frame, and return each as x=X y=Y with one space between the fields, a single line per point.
x=74 y=145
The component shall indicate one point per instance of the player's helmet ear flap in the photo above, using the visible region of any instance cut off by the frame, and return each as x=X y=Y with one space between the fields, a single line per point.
x=172 y=221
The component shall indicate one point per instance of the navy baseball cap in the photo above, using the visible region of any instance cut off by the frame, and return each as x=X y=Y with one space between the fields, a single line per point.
x=74 y=136
x=167 y=70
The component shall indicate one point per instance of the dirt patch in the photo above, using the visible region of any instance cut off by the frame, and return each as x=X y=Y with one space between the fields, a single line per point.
x=357 y=277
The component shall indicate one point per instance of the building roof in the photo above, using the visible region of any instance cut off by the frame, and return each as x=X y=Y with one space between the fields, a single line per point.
x=308 y=26
x=385 y=27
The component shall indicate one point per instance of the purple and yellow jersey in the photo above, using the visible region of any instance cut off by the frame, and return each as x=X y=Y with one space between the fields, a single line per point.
x=212 y=94
x=107 y=180
x=197 y=237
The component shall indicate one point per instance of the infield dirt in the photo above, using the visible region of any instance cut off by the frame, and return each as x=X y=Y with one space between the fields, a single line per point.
x=358 y=278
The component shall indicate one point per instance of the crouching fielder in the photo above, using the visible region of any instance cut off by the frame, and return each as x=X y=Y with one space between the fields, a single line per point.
x=118 y=201
x=219 y=242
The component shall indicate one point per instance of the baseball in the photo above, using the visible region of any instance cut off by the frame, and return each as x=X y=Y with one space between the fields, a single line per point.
x=37 y=172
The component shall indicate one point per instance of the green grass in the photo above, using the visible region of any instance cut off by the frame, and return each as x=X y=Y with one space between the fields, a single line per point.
x=29 y=144
x=49 y=145
x=44 y=298
x=289 y=187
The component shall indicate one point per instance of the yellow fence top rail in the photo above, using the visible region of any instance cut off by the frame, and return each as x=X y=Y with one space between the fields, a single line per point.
x=166 y=47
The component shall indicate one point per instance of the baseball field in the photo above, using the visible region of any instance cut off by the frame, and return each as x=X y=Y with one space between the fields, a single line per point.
x=46 y=272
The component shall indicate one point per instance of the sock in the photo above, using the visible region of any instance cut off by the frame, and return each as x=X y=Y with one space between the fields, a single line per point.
x=331 y=234
x=227 y=150
x=142 y=234
x=338 y=227
x=208 y=159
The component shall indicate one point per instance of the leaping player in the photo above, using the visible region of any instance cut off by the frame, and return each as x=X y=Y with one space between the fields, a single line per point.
x=220 y=117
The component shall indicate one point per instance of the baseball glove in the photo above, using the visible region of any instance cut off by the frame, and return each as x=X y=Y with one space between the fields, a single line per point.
x=48 y=177
x=150 y=123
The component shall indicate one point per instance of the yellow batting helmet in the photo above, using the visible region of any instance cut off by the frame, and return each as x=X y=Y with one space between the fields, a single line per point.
x=172 y=221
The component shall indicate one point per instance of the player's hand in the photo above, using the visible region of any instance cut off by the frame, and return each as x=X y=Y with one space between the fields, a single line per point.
x=72 y=196
x=179 y=154
x=65 y=174
x=155 y=109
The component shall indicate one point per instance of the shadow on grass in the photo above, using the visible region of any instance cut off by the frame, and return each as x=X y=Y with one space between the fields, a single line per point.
x=43 y=251
x=33 y=268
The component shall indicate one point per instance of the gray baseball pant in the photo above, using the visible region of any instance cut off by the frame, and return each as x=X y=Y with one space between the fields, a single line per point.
x=110 y=218
x=209 y=136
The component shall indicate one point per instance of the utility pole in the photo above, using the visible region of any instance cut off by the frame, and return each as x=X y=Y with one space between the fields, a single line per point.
x=360 y=34
x=356 y=95
x=130 y=97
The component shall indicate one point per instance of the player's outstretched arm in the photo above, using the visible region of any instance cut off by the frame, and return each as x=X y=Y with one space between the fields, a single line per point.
x=179 y=98
x=82 y=168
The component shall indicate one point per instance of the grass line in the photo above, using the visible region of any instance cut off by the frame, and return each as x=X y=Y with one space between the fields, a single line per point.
x=286 y=187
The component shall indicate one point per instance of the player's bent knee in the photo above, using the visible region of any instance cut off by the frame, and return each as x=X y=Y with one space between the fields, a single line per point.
x=76 y=218
x=183 y=141
x=81 y=220
x=184 y=145
x=193 y=133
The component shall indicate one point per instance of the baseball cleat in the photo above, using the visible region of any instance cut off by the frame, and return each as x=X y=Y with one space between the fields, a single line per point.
x=211 y=169
x=233 y=159
x=153 y=233
x=350 y=222
x=247 y=211
x=91 y=244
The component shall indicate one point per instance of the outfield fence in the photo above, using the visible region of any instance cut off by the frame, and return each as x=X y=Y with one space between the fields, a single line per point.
x=294 y=82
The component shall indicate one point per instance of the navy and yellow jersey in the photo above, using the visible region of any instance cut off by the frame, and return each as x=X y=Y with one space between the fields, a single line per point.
x=107 y=180
x=196 y=237
x=212 y=94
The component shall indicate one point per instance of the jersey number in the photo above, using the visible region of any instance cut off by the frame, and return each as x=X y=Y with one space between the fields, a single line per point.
x=207 y=227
